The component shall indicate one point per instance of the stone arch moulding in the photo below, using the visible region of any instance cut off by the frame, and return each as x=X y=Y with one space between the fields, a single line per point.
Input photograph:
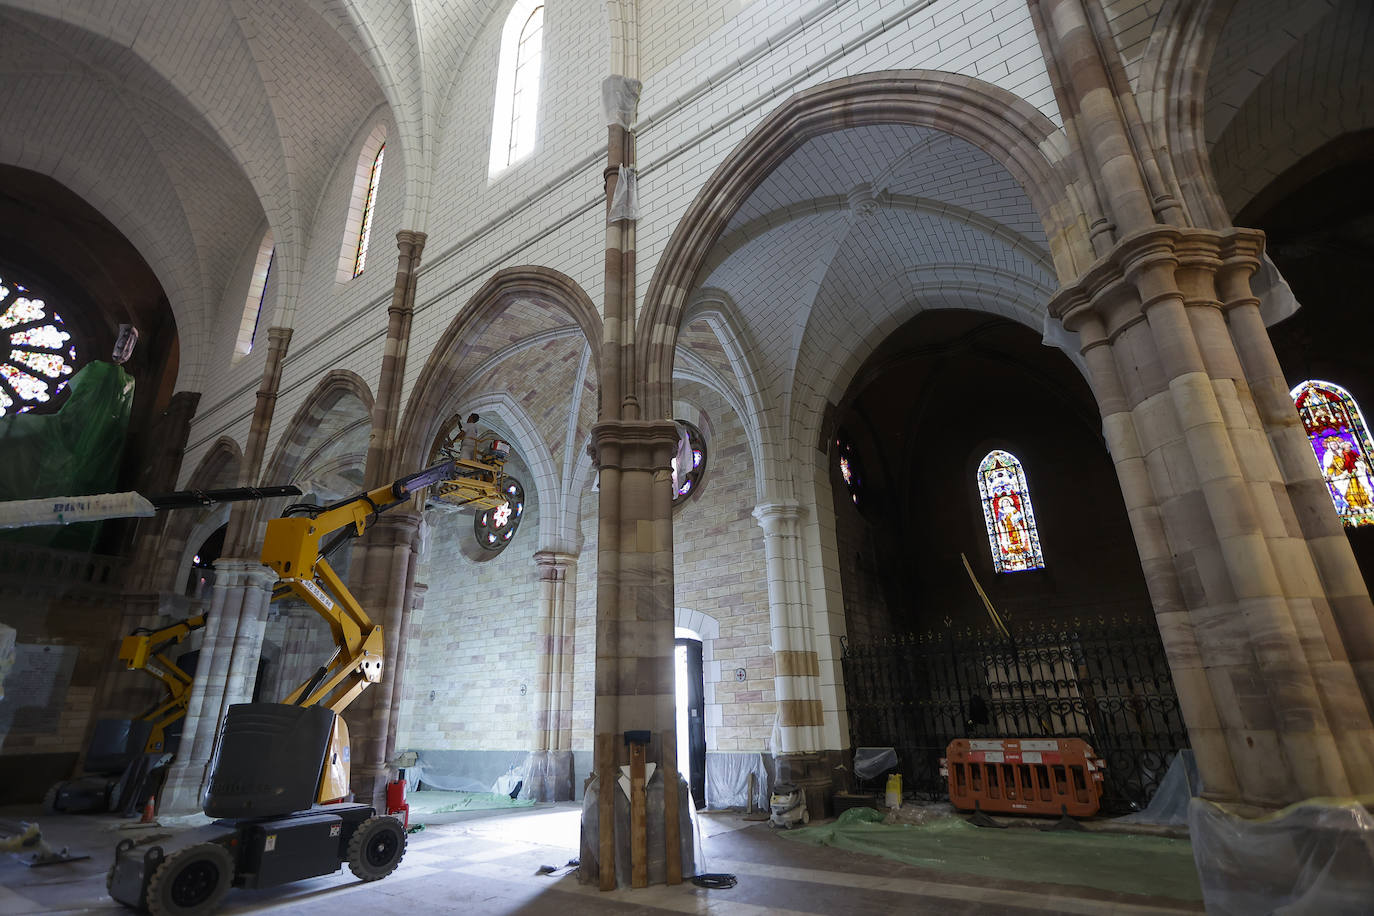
x=336 y=384
x=437 y=379
x=1008 y=128
x=219 y=467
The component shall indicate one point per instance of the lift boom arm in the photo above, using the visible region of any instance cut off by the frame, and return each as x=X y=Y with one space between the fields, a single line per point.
x=292 y=548
x=143 y=650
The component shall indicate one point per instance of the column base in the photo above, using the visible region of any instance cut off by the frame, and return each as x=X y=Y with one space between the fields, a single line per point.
x=816 y=774
x=551 y=776
x=182 y=793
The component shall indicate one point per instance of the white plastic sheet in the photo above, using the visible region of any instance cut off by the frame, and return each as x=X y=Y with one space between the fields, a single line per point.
x=625 y=200
x=620 y=99
x=727 y=781
x=693 y=862
x=66 y=510
x=870 y=762
x=1313 y=857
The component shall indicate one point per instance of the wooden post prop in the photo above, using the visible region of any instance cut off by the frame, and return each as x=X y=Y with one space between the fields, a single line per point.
x=639 y=836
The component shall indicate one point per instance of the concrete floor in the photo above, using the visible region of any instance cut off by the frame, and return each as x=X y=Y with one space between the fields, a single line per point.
x=481 y=863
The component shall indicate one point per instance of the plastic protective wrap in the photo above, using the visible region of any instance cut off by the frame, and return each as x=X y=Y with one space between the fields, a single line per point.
x=1169 y=805
x=625 y=200
x=463 y=774
x=693 y=862
x=73 y=451
x=619 y=99
x=727 y=781
x=871 y=762
x=1313 y=857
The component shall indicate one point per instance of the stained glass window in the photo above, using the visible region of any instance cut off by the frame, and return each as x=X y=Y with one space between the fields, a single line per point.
x=495 y=527
x=40 y=355
x=1007 y=513
x=689 y=463
x=1341 y=443
x=369 y=204
x=850 y=471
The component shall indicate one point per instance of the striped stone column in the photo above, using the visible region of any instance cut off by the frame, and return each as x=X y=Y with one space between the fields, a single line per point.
x=796 y=665
x=384 y=587
x=551 y=771
x=386 y=408
x=225 y=674
x=237 y=616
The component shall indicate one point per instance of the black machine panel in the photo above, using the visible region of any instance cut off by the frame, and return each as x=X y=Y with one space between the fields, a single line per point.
x=289 y=849
x=269 y=760
x=115 y=743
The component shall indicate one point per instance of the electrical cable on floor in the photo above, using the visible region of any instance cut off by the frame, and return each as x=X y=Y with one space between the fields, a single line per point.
x=716 y=881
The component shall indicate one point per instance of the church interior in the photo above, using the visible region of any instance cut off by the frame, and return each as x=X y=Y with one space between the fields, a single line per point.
x=688 y=423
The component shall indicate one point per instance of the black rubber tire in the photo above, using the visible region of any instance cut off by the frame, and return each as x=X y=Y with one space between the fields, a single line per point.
x=376 y=848
x=50 y=797
x=191 y=882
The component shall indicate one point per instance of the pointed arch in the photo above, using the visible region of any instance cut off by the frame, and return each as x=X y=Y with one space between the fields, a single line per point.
x=1341 y=443
x=290 y=452
x=425 y=408
x=1007 y=513
x=1014 y=133
x=217 y=468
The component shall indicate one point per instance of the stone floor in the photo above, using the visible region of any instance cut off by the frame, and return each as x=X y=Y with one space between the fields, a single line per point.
x=482 y=863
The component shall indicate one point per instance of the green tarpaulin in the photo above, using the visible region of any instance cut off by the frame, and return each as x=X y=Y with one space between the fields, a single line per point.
x=1125 y=863
x=73 y=451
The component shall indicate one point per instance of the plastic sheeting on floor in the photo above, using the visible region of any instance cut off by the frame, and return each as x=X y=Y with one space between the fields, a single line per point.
x=1316 y=856
x=427 y=801
x=1154 y=866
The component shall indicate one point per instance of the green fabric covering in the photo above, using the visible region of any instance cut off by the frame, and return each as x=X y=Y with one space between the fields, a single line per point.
x=73 y=451
x=1124 y=863
x=434 y=801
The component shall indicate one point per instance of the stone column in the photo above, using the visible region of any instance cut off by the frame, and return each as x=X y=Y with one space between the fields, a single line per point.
x=1343 y=604
x=225 y=673
x=634 y=609
x=238 y=608
x=551 y=769
x=387 y=561
x=798 y=756
x=1269 y=687
x=386 y=408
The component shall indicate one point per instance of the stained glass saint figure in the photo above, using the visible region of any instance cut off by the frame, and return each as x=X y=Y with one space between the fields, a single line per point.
x=1340 y=440
x=1007 y=513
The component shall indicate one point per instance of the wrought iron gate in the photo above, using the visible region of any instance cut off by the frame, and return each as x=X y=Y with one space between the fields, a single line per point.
x=1104 y=681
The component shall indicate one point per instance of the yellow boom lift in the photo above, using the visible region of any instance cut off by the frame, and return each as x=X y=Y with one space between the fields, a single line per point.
x=280 y=774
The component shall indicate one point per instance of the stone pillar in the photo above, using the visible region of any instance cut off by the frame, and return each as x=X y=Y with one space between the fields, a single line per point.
x=551 y=767
x=225 y=673
x=386 y=561
x=386 y=408
x=798 y=757
x=1344 y=602
x=1268 y=694
x=238 y=608
x=634 y=610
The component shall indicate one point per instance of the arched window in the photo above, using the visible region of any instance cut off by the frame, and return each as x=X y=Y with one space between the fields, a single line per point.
x=689 y=464
x=1007 y=513
x=515 y=113
x=257 y=293
x=39 y=358
x=374 y=175
x=362 y=205
x=1341 y=443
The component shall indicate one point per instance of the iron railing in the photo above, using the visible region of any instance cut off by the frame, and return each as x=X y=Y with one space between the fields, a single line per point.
x=1106 y=681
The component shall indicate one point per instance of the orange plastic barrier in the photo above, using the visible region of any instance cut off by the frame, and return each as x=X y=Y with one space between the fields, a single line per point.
x=1050 y=776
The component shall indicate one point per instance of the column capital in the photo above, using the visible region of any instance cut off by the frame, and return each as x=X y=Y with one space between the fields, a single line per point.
x=634 y=445
x=777 y=517
x=243 y=571
x=554 y=560
x=411 y=242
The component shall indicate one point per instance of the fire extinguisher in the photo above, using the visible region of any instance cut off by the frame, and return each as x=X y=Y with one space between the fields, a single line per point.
x=396 y=799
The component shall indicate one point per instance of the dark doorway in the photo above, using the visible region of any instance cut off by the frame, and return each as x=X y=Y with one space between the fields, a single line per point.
x=691 y=715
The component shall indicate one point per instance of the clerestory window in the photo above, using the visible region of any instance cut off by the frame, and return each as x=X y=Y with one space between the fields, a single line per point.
x=515 y=114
